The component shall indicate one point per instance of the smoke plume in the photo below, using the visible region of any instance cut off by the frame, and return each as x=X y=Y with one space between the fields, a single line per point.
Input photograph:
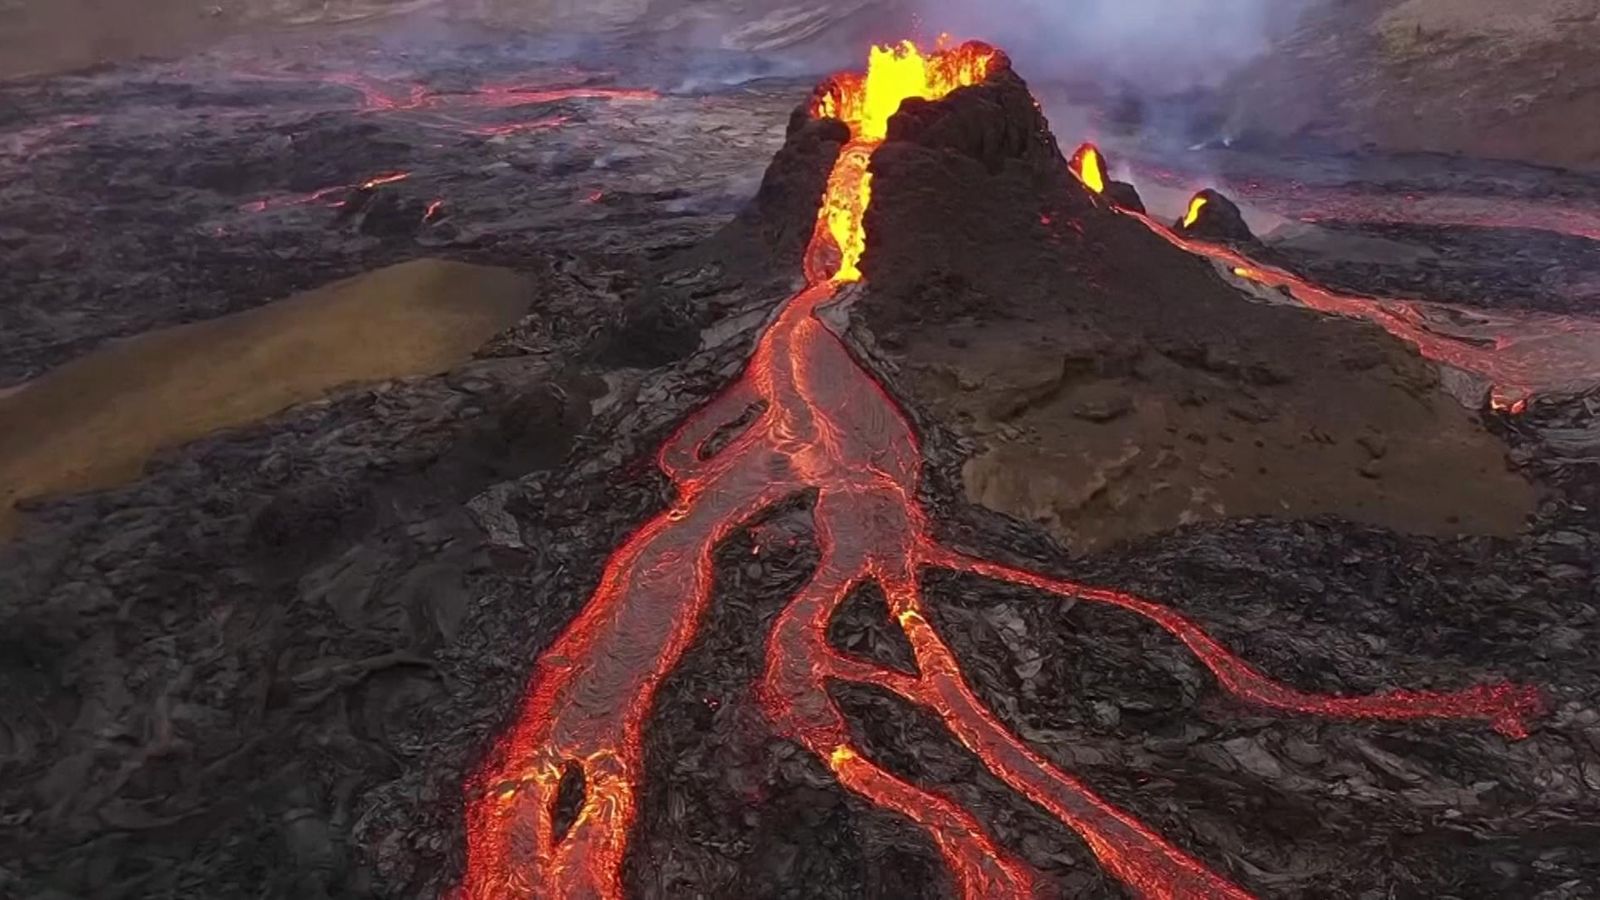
x=1150 y=45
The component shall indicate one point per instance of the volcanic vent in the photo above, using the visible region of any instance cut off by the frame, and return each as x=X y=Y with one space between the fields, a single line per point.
x=945 y=173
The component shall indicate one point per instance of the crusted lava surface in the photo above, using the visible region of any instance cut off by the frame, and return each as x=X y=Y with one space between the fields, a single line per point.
x=144 y=196
x=1480 y=234
x=268 y=666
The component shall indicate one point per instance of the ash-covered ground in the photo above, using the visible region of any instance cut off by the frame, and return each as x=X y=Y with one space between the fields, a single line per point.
x=266 y=665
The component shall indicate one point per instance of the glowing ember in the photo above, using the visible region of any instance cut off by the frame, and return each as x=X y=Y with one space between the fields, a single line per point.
x=1510 y=407
x=391 y=178
x=321 y=194
x=1529 y=352
x=454 y=109
x=432 y=210
x=1193 y=215
x=827 y=426
x=1317 y=203
x=1090 y=168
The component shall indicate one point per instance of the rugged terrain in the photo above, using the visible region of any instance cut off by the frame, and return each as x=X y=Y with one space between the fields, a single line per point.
x=1471 y=77
x=267 y=662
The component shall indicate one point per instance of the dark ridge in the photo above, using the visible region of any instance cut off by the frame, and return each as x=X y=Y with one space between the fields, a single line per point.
x=862 y=626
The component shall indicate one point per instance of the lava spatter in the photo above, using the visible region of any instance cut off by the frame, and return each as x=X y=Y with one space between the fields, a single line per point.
x=1090 y=167
x=827 y=426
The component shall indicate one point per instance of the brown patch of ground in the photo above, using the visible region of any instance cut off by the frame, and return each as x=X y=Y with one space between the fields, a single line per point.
x=1102 y=443
x=95 y=421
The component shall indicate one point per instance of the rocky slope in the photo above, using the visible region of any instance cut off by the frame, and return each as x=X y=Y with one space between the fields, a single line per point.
x=1476 y=77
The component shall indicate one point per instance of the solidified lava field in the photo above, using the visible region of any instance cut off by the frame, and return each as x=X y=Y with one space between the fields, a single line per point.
x=680 y=587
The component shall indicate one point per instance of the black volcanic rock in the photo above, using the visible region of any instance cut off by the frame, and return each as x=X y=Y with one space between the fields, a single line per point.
x=1218 y=220
x=1120 y=193
x=1124 y=195
x=266 y=666
x=769 y=236
x=994 y=123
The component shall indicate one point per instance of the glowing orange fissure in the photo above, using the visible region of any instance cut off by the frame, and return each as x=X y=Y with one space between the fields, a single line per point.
x=827 y=426
x=321 y=194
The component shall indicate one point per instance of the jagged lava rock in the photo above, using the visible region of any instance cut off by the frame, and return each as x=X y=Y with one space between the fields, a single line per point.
x=1218 y=219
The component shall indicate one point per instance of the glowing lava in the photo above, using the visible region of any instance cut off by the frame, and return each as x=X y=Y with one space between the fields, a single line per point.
x=321 y=194
x=1377 y=204
x=391 y=178
x=1193 y=214
x=378 y=95
x=1527 y=353
x=1090 y=168
x=827 y=426
x=866 y=103
x=455 y=109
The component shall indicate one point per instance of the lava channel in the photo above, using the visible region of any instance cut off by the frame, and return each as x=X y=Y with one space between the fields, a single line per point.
x=828 y=426
x=1518 y=354
x=454 y=109
x=1525 y=353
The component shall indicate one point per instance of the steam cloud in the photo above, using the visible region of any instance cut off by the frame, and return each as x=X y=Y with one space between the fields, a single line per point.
x=1152 y=45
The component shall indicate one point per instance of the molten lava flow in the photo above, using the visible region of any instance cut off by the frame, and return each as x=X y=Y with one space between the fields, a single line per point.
x=1527 y=353
x=452 y=109
x=1193 y=214
x=895 y=74
x=826 y=426
x=1377 y=204
x=865 y=103
x=391 y=178
x=378 y=95
x=1090 y=168
x=321 y=194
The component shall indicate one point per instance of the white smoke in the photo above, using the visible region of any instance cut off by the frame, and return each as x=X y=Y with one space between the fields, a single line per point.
x=1151 y=45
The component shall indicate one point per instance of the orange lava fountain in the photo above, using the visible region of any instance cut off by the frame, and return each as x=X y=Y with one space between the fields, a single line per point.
x=827 y=426
x=1090 y=167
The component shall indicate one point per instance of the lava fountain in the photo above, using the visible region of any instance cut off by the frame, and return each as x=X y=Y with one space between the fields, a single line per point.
x=828 y=427
x=1090 y=167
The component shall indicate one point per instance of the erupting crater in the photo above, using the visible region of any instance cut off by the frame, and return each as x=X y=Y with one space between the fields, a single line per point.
x=829 y=427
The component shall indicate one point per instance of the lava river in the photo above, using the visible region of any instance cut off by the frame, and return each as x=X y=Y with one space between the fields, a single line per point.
x=1517 y=354
x=827 y=426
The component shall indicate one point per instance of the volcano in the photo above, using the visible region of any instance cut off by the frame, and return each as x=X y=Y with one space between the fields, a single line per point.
x=825 y=427
x=925 y=520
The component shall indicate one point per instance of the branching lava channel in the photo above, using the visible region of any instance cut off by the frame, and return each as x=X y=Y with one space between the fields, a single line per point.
x=828 y=426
